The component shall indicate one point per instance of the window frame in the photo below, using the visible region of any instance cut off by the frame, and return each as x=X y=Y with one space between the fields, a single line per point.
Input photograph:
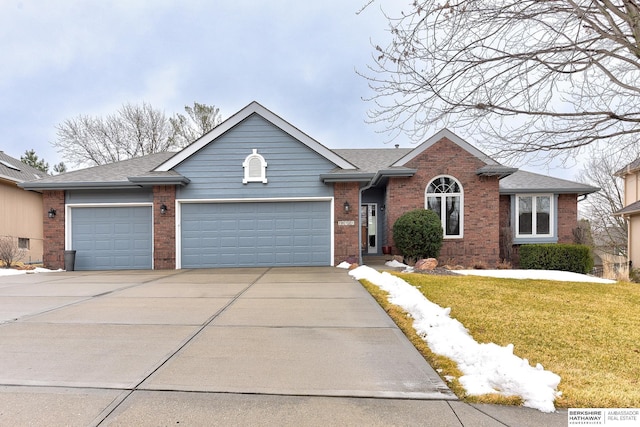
x=444 y=196
x=24 y=243
x=534 y=229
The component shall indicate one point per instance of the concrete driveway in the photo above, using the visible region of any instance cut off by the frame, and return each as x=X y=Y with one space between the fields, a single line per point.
x=256 y=346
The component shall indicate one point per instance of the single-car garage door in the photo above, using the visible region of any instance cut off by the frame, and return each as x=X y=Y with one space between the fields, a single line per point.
x=112 y=238
x=296 y=233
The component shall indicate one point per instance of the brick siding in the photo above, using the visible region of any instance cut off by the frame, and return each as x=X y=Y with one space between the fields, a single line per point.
x=346 y=245
x=567 y=217
x=164 y=228
x=480 y=241
x=53 y=254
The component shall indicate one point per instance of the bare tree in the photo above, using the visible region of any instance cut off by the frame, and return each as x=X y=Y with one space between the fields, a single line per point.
x=609 y=232
x=522 y=75
x=9 y=251
x=200 y=119
x=133 y=131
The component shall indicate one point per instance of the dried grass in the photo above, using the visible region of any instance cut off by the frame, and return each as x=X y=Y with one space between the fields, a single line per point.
x=587 y=333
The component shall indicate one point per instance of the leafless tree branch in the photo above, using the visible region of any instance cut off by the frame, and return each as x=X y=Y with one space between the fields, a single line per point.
x=523 y=75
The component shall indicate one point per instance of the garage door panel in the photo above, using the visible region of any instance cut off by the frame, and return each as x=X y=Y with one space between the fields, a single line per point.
x=112 y=238
x=256 y=234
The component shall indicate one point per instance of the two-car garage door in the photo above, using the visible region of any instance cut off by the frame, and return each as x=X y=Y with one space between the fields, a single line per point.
x=284 y=233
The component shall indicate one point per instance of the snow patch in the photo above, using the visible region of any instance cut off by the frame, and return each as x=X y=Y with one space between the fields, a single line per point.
x=14 y=272
x=486 y=368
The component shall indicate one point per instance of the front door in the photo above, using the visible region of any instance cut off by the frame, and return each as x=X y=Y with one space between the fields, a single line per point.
x=369 y=228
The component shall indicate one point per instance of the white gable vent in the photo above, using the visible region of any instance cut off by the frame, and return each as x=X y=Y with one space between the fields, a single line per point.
x=255 y=168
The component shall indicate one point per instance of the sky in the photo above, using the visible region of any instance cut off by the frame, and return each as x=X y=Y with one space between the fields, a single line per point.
x=298 y=59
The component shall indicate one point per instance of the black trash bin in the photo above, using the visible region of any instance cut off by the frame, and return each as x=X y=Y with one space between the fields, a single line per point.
x=69 y=260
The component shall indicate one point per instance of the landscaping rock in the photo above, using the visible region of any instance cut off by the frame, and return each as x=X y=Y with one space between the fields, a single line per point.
x=426 y=264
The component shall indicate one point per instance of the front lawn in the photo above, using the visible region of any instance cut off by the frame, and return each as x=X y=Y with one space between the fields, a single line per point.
x=587 y=333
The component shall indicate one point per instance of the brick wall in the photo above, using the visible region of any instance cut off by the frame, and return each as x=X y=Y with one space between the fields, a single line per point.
x=53 y=228
x=506 y=230
x=480 y=240
x=164 y=228
x=567 y=217
x=346 y=243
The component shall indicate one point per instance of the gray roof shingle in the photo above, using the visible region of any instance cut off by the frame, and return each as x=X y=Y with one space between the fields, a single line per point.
x=14 y=170
x=633 y=208
x=630 y=168
x=529 y=182
x=114 y=174
x=371 y=160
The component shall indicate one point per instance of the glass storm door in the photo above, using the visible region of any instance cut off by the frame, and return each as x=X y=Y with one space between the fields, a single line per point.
x=369 y=228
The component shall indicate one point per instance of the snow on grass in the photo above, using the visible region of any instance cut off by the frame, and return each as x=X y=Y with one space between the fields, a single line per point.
x=561 y=276
x=486 y=368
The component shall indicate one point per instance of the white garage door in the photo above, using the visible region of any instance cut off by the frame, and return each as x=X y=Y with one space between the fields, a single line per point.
x=296 y=233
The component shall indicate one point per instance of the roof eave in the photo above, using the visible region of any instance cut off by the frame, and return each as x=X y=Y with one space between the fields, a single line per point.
x=392 y=173
x=499 y=171
x=346 y=177
x=159 y=180
x=578 y=191
x=78 y=185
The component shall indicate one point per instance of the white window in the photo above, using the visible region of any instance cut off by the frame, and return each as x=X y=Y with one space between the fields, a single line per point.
x=255 y=168
x=444 y=196
x=534 y=215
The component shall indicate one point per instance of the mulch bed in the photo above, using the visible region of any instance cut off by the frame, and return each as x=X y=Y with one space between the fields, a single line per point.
x=438 y=271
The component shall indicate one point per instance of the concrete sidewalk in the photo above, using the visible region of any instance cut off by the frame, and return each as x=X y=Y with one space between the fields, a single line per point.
x=285 y=346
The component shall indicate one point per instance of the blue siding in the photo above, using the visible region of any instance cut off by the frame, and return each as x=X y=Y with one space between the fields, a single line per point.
x=216 y=170
x=135 y=195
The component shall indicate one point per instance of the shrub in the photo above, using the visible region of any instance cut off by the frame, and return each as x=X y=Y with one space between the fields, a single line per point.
x=418 y=234
x=563 y=257
x=9 y=252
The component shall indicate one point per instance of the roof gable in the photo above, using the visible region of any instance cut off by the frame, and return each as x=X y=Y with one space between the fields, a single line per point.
x=445 y=133
x=231 y=122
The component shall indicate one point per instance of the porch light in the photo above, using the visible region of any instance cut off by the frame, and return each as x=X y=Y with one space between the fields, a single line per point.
x=347 y=207
x=52 y=213
x=163 y=209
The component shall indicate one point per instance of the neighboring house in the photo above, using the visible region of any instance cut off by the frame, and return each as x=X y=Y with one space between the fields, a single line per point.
x=631 y=210
x=257 y=191
x=20 y=210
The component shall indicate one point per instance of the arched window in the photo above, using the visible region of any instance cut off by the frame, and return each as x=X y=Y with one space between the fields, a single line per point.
x=255 y=168
x=444 y=196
